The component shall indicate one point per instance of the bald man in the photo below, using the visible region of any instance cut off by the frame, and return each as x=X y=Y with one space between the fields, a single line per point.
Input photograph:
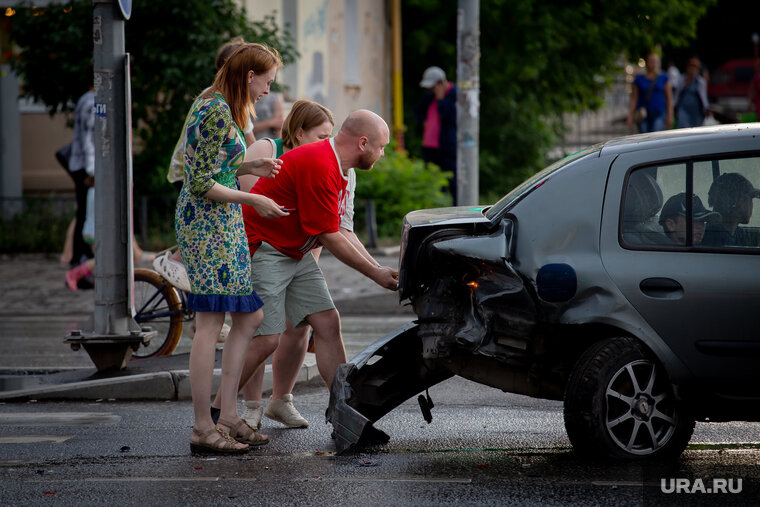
x=312 y=188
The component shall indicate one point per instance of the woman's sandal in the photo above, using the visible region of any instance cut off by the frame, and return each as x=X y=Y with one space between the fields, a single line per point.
x=222 y=444
x=244 y=432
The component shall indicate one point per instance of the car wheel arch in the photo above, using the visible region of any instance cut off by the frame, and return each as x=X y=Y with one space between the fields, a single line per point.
x=634 y=326
x=575 y=339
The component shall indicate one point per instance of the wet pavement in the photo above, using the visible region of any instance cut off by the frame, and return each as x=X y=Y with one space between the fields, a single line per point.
x=484 y=447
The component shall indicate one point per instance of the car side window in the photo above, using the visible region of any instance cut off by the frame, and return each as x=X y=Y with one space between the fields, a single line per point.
x=732 y=192
x=657 y=211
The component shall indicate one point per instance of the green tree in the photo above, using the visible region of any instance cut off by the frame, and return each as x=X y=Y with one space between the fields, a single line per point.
x=397 y=185
x=173 y=45
x=539 y=59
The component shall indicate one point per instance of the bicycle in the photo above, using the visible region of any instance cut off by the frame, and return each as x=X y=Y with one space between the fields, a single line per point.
x=161 y=306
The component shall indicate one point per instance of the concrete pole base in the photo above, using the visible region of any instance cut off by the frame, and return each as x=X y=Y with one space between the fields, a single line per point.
x=108 y=356
x=108 y=352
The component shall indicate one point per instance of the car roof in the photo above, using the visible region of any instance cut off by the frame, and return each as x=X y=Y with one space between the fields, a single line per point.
x=680 y=137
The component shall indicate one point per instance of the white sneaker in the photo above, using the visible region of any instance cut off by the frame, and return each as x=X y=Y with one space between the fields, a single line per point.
x=222 y=334
x=253 y=412
x=173 y=272
x=284 y=412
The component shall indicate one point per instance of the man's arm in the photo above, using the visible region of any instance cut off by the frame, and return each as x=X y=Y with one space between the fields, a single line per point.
x=347 y=253
x=354 y=240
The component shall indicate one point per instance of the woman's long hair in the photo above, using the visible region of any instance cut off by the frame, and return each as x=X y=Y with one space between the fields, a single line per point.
x=305 y=114
x=232 y=79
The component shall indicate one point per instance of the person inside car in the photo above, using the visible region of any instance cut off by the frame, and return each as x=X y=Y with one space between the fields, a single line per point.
x=673 y=219
x=731 y=195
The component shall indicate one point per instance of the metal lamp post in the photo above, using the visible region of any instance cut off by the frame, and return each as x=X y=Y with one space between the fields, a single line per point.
x=114 y=332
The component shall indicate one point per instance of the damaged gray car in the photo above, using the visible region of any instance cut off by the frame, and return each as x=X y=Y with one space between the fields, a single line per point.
x=597 y=282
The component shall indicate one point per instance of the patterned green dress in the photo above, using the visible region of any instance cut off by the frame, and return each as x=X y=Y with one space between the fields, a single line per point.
x=210 y=234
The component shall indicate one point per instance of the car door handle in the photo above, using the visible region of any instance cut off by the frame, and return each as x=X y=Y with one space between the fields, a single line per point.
x=664 y=288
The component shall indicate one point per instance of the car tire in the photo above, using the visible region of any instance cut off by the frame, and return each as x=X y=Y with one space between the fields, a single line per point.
x=619 y=404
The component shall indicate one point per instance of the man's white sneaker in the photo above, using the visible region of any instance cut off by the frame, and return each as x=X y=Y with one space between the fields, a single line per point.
x=173 y=272
x=253 y=412
x=222 y=334
x=284 y=412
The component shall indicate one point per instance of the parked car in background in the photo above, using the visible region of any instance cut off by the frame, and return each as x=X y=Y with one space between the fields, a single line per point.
x=597 y=282
x=729 y=84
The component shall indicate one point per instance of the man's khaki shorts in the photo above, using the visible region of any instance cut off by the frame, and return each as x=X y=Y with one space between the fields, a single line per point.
x=289 y=288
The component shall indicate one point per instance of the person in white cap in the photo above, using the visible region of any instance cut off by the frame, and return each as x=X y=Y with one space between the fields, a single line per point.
x=437 y=113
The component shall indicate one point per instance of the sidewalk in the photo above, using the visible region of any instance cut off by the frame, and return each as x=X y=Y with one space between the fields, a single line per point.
x=37 y=311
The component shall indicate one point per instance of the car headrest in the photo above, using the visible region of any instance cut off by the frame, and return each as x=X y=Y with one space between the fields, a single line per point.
x=644 y=198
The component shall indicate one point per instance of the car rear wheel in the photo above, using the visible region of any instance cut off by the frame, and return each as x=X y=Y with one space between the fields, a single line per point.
x=619 y=403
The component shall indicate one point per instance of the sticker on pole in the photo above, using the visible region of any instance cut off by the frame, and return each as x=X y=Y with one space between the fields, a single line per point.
x=126 y=8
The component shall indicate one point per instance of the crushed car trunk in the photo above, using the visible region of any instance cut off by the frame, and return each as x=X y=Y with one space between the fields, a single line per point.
x=477 y=319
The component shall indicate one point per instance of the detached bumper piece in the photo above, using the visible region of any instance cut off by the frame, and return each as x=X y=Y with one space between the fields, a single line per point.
x=349 y=426
x=380 y=378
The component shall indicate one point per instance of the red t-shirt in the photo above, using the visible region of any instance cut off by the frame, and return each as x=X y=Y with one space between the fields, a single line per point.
x=310 y=181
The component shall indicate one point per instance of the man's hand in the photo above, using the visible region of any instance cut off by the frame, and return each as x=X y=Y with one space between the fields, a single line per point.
x=394 y=272
x=342 y=248
x=386 y=277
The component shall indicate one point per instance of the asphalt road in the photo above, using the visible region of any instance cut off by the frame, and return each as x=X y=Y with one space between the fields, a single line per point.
x=483 y=447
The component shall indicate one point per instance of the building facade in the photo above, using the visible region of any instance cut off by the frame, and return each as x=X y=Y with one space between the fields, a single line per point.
x=344 y=64
x=345 y=52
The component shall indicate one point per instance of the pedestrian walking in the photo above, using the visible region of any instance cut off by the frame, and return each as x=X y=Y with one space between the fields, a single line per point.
x=691 y=103
x=651 y=104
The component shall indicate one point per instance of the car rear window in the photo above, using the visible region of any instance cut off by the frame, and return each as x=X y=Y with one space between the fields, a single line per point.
x=536 y=181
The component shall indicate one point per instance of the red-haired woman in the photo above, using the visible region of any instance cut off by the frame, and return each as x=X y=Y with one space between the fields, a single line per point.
x=212 y=240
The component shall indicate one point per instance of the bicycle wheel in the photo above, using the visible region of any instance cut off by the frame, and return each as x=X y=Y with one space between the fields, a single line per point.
x=157 y=305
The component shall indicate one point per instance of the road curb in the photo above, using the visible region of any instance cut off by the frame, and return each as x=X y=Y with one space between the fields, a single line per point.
x=144 y=386
x=169 y=385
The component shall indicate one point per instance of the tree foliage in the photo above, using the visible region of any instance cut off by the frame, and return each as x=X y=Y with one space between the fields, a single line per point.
x=399 y=184
x=52 y=58
x=172 y=44
x=539 y=59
